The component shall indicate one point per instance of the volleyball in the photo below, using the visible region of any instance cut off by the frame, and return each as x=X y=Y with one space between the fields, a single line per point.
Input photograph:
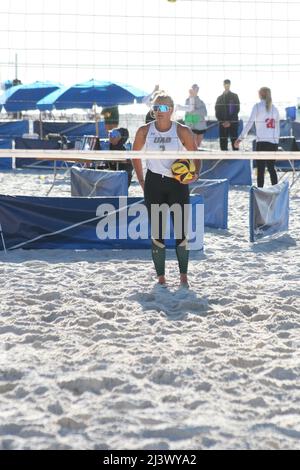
x=183 y=170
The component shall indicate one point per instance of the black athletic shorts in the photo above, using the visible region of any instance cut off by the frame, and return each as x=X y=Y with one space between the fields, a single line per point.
x=198 y=132
x=165 y=190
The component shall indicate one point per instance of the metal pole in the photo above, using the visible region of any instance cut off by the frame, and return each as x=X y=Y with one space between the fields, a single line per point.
x=3 y=241
x=41 y=126
x=16 y=66
x=96 y=119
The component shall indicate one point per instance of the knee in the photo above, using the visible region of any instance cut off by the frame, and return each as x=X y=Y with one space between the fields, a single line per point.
x=182 y=243
x=158 y=243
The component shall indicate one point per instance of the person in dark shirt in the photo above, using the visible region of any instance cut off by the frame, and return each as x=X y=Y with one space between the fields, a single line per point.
x=227 y=110
x=111 y=117
x=118 y=138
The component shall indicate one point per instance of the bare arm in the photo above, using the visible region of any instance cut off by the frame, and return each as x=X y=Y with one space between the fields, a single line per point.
x=148 y=99
x=189 y=107
x=247 y=127
x=138 y=144
x=249 y=123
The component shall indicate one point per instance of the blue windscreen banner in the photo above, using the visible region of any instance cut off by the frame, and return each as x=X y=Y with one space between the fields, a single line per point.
x=5 y=162
x=91 y=183
x=35 y=144
x=291 y=113
x=237 y=172
x=286 y=144
x=215 y=198
x=212 y=132
x=287 y=165
x=85 y=223
x=269 y=211
x=290 y=128
x=12 y=129
x=72 y=130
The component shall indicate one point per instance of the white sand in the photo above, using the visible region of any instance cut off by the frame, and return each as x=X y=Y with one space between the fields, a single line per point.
x=93 y=357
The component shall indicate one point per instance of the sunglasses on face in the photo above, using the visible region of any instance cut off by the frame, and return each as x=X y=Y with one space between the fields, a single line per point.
x=162 y=108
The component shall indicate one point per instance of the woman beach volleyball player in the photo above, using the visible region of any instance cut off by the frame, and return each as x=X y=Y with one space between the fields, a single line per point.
x=160 y=186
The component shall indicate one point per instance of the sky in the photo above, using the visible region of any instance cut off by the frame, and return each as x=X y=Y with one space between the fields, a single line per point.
x=148 y=42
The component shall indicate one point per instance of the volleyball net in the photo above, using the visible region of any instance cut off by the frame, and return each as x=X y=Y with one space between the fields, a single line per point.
x=96 y=156
x=170 y=43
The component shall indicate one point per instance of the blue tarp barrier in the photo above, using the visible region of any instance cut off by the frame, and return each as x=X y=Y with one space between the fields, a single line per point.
x=13 y=129
x=91 y=183
x=212 y=132
x=296 y=130
x=285 y=128
x=287 y=144
x=286 y=165
x=237 y=172
x=73 y=130
x=215 y=197
x=269 y=211
x=35 y=144
x=291 y=113
x=81 y=223
x=5 y=163
x=290 y=128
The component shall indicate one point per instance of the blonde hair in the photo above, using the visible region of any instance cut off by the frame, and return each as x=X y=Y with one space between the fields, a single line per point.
x=163 y=96
x=265 y=94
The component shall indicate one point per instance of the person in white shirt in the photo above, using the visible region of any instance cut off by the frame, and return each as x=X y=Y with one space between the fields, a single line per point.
x=266 y=118
x=160 y=187
x=195 y=117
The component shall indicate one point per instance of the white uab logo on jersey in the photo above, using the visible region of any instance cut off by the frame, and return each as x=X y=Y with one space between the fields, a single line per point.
x=162 y=140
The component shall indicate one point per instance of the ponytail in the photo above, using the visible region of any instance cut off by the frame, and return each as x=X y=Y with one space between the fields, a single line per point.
x=265 y=94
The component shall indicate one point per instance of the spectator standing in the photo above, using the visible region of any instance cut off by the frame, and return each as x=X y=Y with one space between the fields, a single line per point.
x=227 y=109
x=195 y=119
x=266 y=118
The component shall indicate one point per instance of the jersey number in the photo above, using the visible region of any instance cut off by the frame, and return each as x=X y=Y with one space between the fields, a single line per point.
x=162 y=148
x=270 y=123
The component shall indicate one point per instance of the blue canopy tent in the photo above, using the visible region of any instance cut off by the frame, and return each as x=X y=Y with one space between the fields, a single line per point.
x=25 y=97
x=92 y=92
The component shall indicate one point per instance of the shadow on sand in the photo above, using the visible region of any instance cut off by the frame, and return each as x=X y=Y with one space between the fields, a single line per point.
x=174 y=304
x=282 y=243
